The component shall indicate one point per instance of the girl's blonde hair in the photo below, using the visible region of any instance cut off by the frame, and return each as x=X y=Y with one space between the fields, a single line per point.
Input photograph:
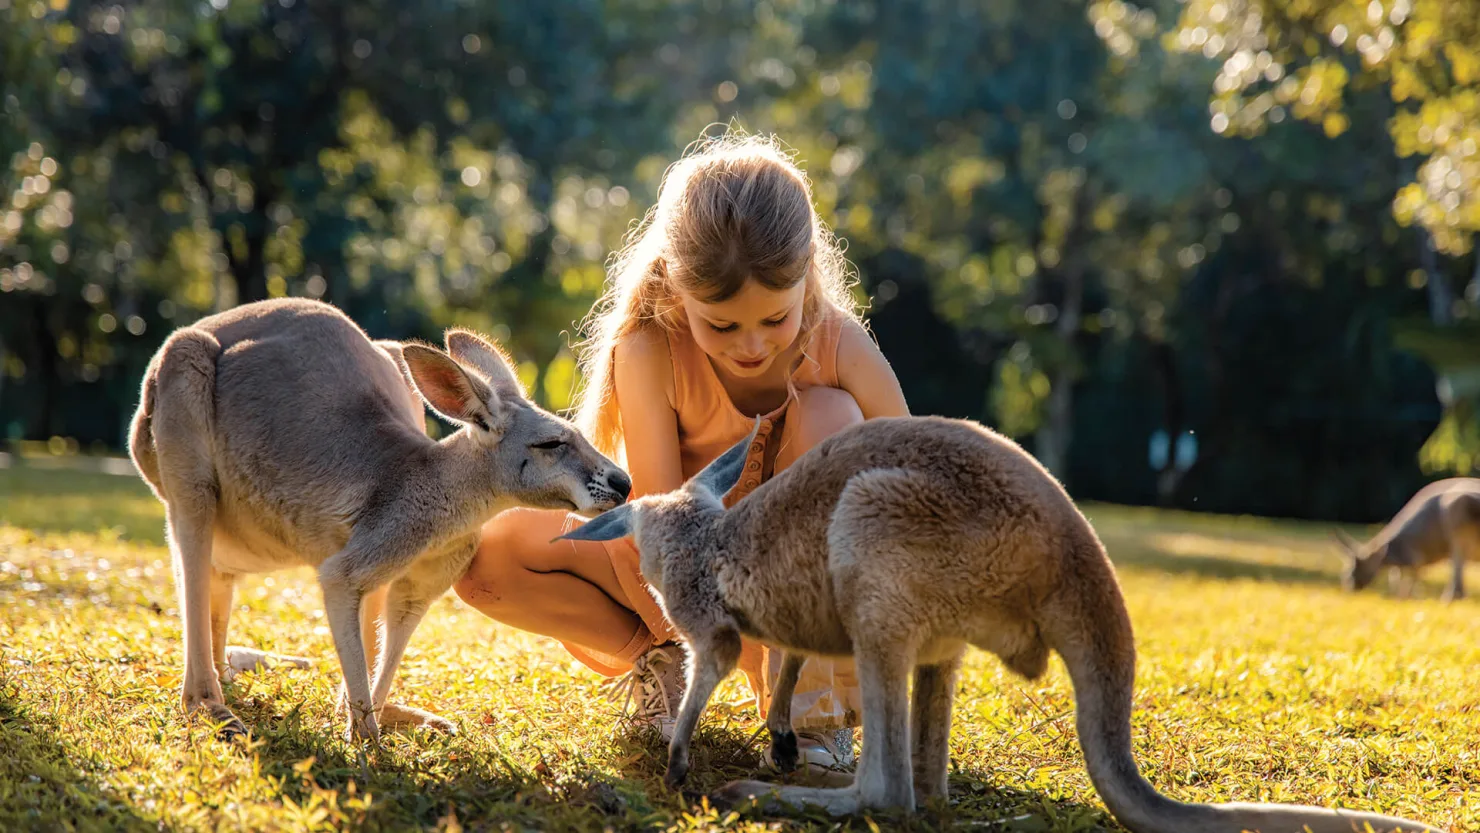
x=734 y=209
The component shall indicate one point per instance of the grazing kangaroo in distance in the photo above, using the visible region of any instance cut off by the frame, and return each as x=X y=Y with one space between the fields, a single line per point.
x=900 y=542
x=277 y=434
x=1440 y=522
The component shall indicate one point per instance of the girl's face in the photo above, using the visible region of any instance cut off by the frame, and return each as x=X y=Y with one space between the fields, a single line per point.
x=746 y=333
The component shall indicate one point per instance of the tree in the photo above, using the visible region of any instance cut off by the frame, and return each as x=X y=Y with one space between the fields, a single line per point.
x=1304 y=59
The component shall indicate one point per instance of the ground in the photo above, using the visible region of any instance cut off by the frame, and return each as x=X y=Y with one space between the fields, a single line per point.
x=1258 y=679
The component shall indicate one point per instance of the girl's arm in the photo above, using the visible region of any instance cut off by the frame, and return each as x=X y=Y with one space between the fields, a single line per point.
x=866 y=375
x=643 y=373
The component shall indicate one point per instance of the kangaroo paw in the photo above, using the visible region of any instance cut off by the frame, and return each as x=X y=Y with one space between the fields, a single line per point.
x=394 y=716
x=784 y=752
x=229 y=726
x=739 y=792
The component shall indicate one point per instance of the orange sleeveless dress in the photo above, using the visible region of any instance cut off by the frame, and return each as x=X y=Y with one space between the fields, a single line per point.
x=708 y=425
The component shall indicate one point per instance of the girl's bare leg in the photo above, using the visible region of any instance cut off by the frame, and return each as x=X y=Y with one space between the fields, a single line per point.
x=565 y=589
x=827 y=694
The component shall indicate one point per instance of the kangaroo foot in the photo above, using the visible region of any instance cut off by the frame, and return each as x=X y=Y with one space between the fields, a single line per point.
x=239 y=660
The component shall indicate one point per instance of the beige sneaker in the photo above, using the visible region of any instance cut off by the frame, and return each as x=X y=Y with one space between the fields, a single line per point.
x=653 y=689
x=820 y=749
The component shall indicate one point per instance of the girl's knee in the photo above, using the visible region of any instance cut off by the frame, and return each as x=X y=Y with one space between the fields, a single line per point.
x=824 y=411
x=493 y=574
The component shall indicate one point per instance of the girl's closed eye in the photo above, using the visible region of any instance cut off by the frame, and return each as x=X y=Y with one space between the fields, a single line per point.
x=732 y=327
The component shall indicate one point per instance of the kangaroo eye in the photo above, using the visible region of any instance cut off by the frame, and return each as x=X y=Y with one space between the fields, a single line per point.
x=549 y=445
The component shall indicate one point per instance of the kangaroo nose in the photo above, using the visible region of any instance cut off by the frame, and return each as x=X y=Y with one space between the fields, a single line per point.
x=620 y=483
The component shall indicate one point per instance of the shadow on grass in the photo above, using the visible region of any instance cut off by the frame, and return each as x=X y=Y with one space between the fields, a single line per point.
x=419 y=778
x=1129 y=552
x=721 y=754
x=40 y=786
x=1214 y=567
x=67 y=500
x=978 y=798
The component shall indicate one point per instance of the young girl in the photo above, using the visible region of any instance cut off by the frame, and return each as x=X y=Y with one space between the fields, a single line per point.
x=730 y=301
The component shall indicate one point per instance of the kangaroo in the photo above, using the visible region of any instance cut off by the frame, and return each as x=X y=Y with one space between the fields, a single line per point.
x=900 y=542
x=277 y=434
x=1441 y=522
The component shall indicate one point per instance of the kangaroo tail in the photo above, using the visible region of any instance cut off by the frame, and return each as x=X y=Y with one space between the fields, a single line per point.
x=1085 y=621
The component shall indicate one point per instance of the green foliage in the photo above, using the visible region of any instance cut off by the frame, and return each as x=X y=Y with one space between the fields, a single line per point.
x=1307 y=59
x=1258 y=680
x=1018 y=396
x=1451 y=448
x=1027 y=191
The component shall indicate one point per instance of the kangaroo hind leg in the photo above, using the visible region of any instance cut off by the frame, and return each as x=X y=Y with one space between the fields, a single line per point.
x=930 y=727
x=181 y=427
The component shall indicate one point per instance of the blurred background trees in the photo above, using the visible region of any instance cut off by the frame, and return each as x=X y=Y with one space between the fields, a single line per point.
x=1214 y=254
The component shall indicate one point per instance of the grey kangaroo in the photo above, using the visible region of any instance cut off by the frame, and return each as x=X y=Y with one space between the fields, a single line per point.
x=1441 y=522
x=278 y=434
x=900 y=542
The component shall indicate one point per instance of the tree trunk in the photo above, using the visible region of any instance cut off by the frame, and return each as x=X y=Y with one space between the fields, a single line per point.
x=1058 y=429
x=3 y=374
x=1051 y=445
x=527 y=279
x=1214 y=431
x=1441 y=297
x=250 y=272
x=50 y=372
x=1173 y=417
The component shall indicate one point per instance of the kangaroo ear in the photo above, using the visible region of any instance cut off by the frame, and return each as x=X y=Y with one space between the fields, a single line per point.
x=608 y=526
x=477 y=352
x=1348 y=544
x=448 y=389
x=721 y=475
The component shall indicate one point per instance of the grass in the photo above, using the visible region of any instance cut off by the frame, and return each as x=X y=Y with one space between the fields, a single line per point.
x=1258 y=680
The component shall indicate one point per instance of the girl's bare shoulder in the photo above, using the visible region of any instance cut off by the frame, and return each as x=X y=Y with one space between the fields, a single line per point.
x=642 y=358
x=867 y=375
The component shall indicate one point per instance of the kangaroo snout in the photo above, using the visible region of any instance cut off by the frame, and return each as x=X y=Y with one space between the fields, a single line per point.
x=607 y=490
x=618 y=481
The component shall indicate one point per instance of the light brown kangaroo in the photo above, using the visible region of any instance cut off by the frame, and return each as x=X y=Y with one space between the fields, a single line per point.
x=278 y=434
x=1441 y=522
x=900 y=542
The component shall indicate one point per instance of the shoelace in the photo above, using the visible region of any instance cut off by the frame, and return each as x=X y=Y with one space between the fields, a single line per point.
x=644 y=687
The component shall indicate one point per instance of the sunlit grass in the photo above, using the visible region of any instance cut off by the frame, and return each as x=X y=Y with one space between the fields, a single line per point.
x=1258 y=680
